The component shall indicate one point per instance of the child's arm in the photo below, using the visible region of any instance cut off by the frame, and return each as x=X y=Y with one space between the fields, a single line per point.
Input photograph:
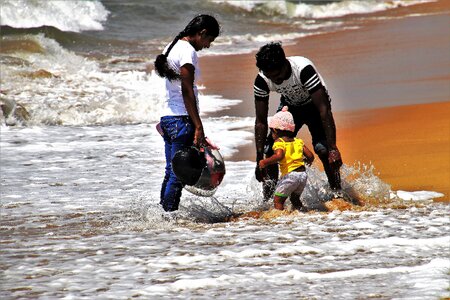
x=275 y=158
x=308 y=156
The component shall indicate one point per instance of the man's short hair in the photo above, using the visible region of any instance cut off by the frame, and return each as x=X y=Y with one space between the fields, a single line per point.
x=270 y=57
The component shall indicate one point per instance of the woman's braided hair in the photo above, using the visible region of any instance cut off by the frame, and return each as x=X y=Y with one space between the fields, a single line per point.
x=197 y=24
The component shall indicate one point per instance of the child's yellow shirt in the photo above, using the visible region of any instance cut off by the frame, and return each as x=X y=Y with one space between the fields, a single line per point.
x=293 y=154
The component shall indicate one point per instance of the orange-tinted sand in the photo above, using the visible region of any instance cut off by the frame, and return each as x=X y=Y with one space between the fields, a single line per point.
x=409 y=145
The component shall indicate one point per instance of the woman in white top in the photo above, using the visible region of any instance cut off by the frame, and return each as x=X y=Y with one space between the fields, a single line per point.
x=181 y=124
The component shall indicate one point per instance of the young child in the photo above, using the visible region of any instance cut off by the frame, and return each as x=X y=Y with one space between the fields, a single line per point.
x=291 y=154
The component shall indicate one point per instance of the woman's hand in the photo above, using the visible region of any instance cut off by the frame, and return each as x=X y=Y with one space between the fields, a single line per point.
x=210 y=144
x=199 y=137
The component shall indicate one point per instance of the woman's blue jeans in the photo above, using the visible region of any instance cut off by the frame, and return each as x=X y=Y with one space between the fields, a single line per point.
x=178 y=133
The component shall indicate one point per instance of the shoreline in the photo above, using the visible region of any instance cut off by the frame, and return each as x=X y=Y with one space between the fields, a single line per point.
x=390 y=94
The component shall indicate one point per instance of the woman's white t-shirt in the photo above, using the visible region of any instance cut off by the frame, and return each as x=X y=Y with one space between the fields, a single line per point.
x=182 y=53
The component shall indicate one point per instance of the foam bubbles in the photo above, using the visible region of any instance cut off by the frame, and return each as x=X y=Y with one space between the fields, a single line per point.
x=79 y=92
x=325 y=10
x=417 y=195
x=65 y=15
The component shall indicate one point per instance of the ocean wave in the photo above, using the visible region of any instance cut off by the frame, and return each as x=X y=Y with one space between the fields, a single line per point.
x=247 y=43
x=59 y=87
x=299 y=9
x=74 y=16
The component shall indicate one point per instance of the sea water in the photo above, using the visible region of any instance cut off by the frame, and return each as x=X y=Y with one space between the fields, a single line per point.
x=81 y=175
x=80 y=219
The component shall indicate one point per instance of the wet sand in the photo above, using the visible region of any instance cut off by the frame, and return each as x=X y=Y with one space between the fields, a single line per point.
x=390 y=86
x=408 y=145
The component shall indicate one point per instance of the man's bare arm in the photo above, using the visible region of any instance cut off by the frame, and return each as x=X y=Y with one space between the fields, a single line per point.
x=321 y=101
x=261 y=127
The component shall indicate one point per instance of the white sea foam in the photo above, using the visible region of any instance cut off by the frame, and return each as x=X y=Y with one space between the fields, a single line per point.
x=417 y=195
x=80 y=93
x=194 y=284
x=348 y=7
x=292 y=250
x=442 y=264
x=246 y=43
x=326 y=10
x=65 y=15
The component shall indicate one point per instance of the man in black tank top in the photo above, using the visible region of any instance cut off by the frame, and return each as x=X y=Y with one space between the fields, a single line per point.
x=304 y=92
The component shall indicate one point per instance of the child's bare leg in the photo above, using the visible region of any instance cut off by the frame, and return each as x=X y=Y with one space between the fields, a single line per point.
x=278 y=202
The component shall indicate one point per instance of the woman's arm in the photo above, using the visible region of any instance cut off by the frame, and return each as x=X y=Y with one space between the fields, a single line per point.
x=187 y=73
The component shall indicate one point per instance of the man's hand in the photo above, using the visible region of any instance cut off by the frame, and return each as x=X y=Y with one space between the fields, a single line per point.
x=260 y=173
x=262 y=164
x=334 y=158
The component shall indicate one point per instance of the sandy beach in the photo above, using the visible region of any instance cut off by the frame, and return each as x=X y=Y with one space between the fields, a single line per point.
x=390 y=85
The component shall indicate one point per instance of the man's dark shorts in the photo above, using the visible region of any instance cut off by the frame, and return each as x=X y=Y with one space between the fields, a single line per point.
x=307 y=115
